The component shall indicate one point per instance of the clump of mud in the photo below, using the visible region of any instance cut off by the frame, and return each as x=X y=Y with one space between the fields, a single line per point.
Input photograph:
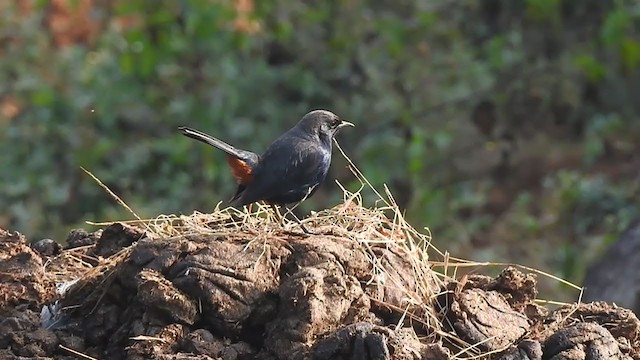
x=233 y=285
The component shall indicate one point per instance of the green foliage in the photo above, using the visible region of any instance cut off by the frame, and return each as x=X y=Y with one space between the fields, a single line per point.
x=545 y=10
x=593 y=69
x=620 y=32
x=601 y=130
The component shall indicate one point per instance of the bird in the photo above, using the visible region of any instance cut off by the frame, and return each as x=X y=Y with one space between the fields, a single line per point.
x=290 y=169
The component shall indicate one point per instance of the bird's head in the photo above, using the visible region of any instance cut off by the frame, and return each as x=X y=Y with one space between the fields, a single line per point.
x=322 y=122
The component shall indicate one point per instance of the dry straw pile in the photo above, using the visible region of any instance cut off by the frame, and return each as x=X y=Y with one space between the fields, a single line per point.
x=380 y=226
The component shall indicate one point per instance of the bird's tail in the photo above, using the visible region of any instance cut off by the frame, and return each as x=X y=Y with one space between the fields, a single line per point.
x=248 y=156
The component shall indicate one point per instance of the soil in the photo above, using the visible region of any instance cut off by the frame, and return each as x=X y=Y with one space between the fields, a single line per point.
x=118 y=294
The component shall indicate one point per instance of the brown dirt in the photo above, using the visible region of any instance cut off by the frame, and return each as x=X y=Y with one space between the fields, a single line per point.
x=244 y=295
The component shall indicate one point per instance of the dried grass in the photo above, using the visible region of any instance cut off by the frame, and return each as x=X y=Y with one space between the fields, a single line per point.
x=383 y=224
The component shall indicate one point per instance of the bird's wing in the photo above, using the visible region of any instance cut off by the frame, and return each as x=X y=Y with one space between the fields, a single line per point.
x=287 y=167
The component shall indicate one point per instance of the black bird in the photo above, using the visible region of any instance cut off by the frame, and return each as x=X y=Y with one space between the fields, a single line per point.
x=291 y=168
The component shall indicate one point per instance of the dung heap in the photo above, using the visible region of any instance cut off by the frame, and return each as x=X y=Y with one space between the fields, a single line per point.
x=239 y=285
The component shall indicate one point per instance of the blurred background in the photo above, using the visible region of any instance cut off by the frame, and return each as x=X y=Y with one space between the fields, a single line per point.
x=508 y=127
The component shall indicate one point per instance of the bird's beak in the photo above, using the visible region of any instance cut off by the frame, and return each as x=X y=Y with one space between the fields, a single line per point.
x=345 y=123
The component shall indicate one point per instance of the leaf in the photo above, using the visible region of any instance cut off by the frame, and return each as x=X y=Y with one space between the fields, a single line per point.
x=630 y=54
x=44 y=96
x=591 y=67
x=614 y=27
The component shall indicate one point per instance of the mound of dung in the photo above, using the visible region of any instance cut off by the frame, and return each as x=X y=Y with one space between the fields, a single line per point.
x=232 y=285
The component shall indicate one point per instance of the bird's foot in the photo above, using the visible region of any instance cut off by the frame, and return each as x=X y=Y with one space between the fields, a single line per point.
x=291 y=229
x=306 y=230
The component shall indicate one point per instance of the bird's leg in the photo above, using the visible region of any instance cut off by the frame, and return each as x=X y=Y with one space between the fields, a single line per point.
x=290 y=211
x=304 y=228
x=281 y=218
x=309 y=191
